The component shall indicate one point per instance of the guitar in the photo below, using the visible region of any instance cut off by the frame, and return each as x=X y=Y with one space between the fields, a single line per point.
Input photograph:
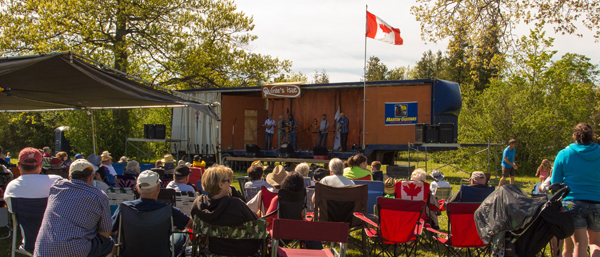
x=289 y=127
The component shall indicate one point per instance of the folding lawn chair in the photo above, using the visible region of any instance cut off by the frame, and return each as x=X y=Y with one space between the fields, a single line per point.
x=165 y=181
x=249 y=230
x=242 y=181
x=167 y=195
x=398 y=225
x=376 y=189
x=4 y=221
x=443 y=193
x=308 y=231
x=417 y=190
x=463 y=231
x=145 y=233
x=471 y=194
x=265 y=199
x=27 y=213
x=126 y=181
x=310 y=206
x=250 y=192
x=338 y=204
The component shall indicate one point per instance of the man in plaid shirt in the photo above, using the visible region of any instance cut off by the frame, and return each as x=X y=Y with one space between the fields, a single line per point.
x=77 y=220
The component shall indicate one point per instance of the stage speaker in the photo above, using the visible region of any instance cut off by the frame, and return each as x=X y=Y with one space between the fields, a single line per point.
x=446 y=134
x=149 y=131
x=320 y=151
x=252 y=151
x=286 y=150
x=60 y=141
x=419 y=133
x=160 y=131
x=431 y=133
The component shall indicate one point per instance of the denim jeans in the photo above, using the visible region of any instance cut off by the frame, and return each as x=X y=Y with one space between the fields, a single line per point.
x=585 y=215
x=323 y=138
x=293 y=140
x=268 y=141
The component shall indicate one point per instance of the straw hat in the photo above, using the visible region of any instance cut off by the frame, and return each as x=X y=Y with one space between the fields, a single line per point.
x=276 y=177
x=389 y=186
x=168 y=158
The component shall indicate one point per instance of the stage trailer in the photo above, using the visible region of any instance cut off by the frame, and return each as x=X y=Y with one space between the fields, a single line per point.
x=392 y=110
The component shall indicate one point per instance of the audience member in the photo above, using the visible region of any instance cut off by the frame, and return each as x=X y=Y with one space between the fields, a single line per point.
x=274 y=179
x=132 y=168
x=181 y=177
x=358 y=168
x=3 y=160
x=477 y=180
x=123 y=160
x=337 y=178
x=255 y=177
x=77 y=220
x=218 y=208
x=168 y=164
x=56 y=168
x=159 y=170
x=148 y=186
x=47 y=152
x=376 y=171
x=198 y=162
x=578 y=166
x=96 y=161
x=421 y=175
x=107 y=164
x=46 y=158
x=78 y=156
x=31 y=184
x=158 y=164
x=438 y=182
x=319 y=174
x=303 y=169
x=544 y=171
x=66 y=162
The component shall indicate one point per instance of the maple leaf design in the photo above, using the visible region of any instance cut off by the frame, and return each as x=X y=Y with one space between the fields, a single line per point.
x=412 y=190
x=385 y=28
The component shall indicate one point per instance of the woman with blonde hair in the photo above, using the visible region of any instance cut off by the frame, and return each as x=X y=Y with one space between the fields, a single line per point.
x=544 y=171
x=219 y=208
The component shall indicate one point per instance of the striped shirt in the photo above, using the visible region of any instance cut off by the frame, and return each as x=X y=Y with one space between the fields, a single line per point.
x=75 y=212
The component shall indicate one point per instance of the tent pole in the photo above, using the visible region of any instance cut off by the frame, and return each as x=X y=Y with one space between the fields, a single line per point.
x=91 y=113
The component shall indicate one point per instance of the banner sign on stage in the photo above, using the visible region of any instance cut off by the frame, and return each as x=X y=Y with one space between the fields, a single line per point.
x=281 y=90
x=401 y=113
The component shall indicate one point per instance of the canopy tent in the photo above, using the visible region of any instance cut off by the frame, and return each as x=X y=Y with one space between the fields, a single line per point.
x=67 y=81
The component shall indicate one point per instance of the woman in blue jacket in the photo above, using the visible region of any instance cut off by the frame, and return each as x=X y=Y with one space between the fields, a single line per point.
x=578 y=166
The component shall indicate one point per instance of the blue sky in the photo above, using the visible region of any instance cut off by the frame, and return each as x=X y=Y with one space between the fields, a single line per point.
x=329 y=34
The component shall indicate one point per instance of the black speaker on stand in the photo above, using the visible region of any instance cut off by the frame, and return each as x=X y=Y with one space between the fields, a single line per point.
x=419 y=133
x=446 y=133
x=286 y=150
x=320 y=151
x=160 y=131
x=149 y=131
x=431 y=133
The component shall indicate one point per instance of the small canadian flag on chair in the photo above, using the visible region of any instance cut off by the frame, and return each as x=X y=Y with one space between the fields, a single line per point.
x=412 y=190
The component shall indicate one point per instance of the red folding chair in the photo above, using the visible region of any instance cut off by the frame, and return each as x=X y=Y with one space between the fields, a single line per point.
x=265 y=199
x=398 y=226
x=416 y=190
x=463 y=231
x=308 y=231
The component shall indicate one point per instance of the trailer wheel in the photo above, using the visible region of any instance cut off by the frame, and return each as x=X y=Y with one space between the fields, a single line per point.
x=225 y=162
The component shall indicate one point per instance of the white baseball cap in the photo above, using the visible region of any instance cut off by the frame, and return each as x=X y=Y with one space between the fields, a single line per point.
x=80 y=168
x=148 y=179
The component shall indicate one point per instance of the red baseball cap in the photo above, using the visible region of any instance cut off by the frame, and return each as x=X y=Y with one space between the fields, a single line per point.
x=30 y=156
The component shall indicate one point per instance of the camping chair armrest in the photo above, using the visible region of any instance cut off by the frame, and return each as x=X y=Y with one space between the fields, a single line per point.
x=365 y=219
x=436 y=231
x=269 y=214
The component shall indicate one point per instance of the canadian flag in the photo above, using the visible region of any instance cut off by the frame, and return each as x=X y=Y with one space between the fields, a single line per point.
x=380 y=30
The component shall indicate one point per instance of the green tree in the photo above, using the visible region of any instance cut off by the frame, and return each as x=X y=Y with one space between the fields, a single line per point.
x=431 y=66
x=321 y=77
x=376 y=70
x=291 y=77
x=24 y=129
x=538 y=103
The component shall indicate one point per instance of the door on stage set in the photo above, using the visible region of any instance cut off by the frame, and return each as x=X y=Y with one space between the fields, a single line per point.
x=250 y=127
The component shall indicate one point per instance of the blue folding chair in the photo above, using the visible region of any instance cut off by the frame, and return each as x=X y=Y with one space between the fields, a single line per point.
x=474 y=194
x=27 y=213
x=376 y=189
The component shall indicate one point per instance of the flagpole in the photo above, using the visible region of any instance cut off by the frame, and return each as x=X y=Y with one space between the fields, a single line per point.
x=365 y=79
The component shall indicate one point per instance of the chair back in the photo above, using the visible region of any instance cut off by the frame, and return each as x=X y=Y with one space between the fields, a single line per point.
x=291 y=205
x=250 y=192
x=200 y=188
x=307 y=181
x=365 y=178
x=119 y=167
x=412 y=190
x=338 y=204
x=471 y=194
x=242 y=181
x=256 y=229
x=167 y=195
x=310 y=231
x=196 y=174
x=443 y=193
x=376 y=189
x=126 y=181
x=266 y=197
x=29 y=213
x=118 y=195
x=145 y=233
x=165 y=181
x=398 y=219
x=5 y=178
x=461 y=223
x=310 y=206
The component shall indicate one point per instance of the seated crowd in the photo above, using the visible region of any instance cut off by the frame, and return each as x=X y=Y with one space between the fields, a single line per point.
x=78 y=220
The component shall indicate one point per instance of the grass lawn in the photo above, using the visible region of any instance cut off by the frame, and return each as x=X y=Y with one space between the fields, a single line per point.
x=453 y=177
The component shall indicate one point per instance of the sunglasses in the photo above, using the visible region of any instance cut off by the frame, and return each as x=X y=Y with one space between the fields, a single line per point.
x=226 y=180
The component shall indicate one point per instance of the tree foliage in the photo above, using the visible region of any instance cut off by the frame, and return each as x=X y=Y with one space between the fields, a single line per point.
x=538 y=103
x=321 y=77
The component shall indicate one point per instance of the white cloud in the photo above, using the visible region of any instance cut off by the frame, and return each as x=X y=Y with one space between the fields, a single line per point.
x=329 y=34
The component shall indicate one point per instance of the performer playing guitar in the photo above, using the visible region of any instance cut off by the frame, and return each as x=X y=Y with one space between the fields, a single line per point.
x=270 y=129
x=323 y=131
x=291 y=126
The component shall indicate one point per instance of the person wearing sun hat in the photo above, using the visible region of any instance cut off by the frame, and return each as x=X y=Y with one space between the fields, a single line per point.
x=255 y=175
x=77 y=220
x=439 y=182
x=168 y=164
x=275 y=179
x=107 y=164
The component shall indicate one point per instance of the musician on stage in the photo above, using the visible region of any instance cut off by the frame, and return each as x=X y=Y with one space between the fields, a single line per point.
x=281 y=134
x=291 y=126
x=270 y=129
x=343 y=122
x=323 y=130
